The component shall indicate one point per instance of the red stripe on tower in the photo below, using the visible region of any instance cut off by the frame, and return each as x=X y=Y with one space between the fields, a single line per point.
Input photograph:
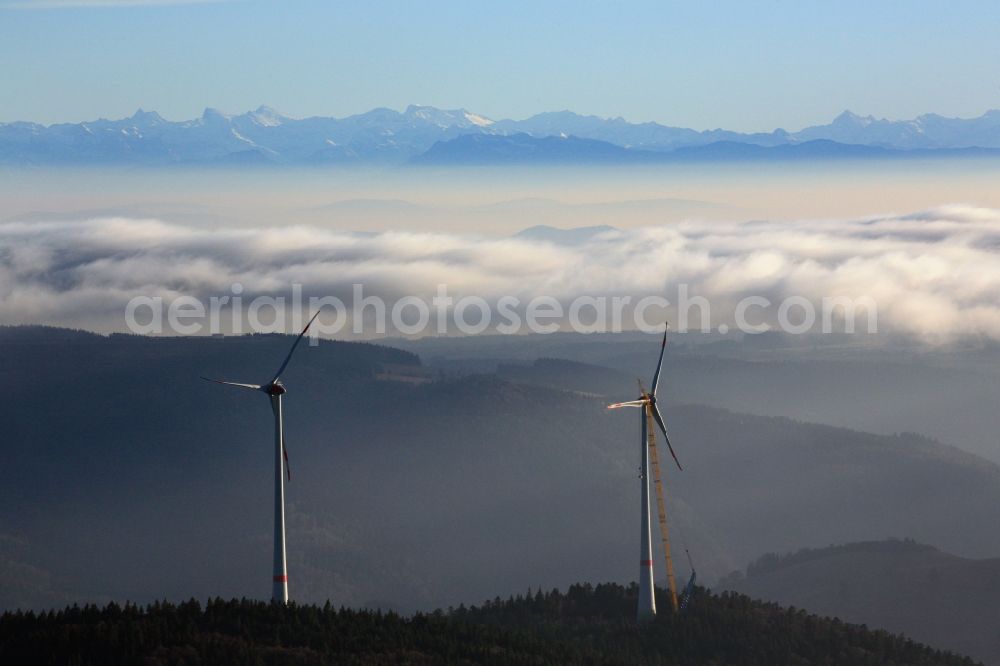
x=281 y=579
x=645 y=563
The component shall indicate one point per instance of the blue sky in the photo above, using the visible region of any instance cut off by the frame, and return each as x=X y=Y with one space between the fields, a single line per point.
x=739 y=65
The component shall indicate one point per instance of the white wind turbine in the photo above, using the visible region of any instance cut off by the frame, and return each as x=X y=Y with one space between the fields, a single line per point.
x=650 y=414
x=275 y=389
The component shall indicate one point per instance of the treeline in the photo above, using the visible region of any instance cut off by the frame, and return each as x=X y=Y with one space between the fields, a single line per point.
x=585 y=625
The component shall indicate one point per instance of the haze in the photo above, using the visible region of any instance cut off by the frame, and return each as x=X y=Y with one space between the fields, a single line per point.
x=477 y=200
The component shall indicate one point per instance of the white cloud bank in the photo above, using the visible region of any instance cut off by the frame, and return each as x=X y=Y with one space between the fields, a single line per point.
x=935 y=275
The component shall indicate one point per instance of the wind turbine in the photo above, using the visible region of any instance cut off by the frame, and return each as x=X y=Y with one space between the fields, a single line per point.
x=275 y=389
x=650 y=414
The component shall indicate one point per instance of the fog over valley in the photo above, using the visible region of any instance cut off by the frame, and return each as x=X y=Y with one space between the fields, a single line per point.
x=932 y=272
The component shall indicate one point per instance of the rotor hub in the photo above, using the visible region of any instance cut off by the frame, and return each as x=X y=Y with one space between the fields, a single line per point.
x=275 y=388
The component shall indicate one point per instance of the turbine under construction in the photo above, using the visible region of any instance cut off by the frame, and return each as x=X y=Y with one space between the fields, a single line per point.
x=649 y=415
x=275 y=389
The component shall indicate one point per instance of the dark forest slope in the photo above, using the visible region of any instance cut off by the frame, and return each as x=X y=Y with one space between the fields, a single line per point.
x=584 y=625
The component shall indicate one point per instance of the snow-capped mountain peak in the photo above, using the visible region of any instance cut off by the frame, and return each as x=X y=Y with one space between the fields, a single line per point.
x=388 y=136
x=210 y=115
x=446 y=118
x=853 y=119
x=146 y=118
x=476 y=119
x=265 y=116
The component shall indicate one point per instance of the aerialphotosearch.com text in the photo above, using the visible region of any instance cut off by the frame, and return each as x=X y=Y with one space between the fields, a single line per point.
x=372 y=315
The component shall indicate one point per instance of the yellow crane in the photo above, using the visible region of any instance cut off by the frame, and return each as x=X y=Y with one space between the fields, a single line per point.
x=661 y=506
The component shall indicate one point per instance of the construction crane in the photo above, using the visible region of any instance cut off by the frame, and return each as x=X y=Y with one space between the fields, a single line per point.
x=660 y=504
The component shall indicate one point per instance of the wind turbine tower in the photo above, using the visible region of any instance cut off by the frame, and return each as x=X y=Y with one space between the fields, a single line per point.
x=275 y=390
x=649 y=414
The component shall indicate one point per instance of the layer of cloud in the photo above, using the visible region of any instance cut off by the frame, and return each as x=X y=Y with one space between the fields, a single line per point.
x=935 y=275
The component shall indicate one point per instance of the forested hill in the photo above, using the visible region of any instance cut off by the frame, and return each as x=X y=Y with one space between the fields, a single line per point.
x=933 y=596
x=585 y=625
x=410 y=495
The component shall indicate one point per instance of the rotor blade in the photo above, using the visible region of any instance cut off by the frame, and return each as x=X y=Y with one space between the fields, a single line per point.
x=663 y=428
x=659 y=363
x=288 y=469
x=255 y=387
x=631 y=403
x=294 y=345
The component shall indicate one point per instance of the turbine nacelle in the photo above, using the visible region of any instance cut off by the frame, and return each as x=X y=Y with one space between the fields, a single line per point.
x=647 y=401
x=275 y=388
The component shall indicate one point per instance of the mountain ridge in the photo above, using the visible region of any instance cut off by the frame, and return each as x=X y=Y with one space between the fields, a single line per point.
x=898 y=585
x=387 y=136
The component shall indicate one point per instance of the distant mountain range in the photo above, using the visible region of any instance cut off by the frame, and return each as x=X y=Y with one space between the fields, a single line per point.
x=426 y=135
